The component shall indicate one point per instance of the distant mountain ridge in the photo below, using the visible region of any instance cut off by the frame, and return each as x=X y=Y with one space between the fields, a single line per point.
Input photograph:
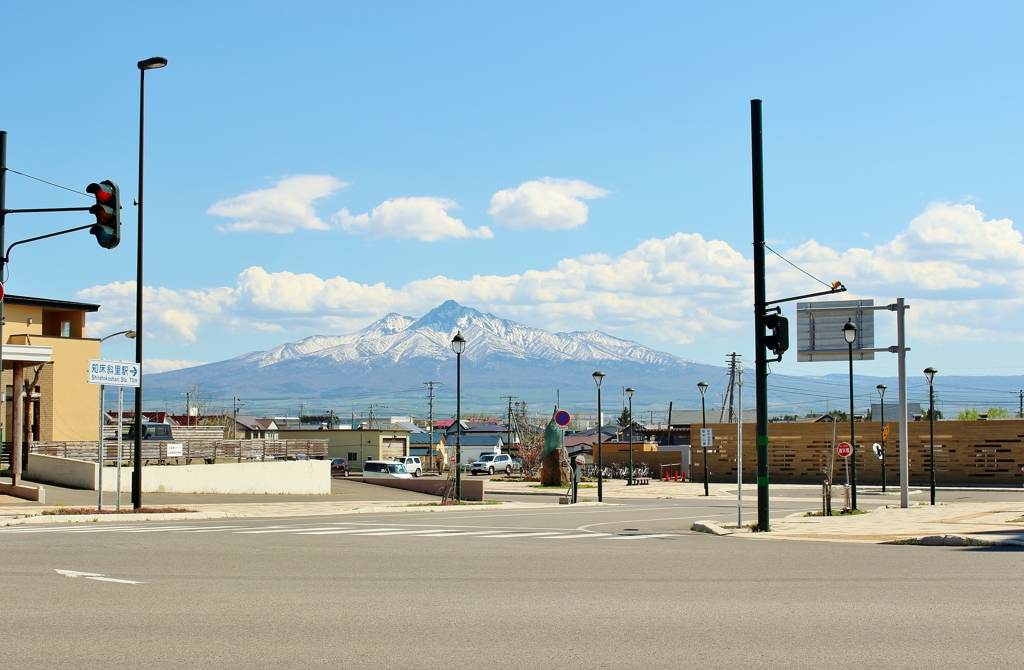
x=398 y=352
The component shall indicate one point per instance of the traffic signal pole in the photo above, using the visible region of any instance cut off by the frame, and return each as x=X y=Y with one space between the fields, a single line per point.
x=760 y=298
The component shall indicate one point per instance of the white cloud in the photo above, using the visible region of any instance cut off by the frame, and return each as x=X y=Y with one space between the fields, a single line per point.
x=954 y=266
x=284 y=208
x=551 y=204
x=156 y=365
x=423 y=218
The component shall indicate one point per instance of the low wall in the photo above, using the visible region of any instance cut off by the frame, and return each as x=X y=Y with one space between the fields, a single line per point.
x=471 y=490
x=67 y=472
x=34 y=493
x=289 y=477
x=283 y=477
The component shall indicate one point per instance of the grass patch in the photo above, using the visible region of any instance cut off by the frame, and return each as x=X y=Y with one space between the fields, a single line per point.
x=456 y=502
x=1020 y=520
x=60 y=510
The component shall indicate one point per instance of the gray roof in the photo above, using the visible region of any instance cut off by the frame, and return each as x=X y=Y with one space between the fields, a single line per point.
x=480 y=440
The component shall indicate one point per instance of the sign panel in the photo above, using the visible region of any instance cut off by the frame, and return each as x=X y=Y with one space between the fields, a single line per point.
x=114 y=373
x=844 y=449
x=706 y=440
x=819 y=330
x=174 y=450
x=562 y=418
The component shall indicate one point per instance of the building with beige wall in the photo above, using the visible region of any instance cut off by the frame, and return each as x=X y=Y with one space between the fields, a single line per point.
x=357 y=446
x=46 y=356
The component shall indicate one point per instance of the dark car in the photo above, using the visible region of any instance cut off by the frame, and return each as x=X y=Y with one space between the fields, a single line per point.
x=151 y=431
x=339 y=467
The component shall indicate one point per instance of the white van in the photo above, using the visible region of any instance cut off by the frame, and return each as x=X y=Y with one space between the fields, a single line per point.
x=385 y=470
x=412 y=464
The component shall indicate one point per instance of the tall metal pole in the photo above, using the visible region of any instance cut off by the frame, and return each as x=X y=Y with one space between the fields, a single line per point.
x=630 y=439
x=3 y=273
x=853 y=441
x=739 y=452
x=600 y=454
x=120 y=447
x=458 y=426
x=704 y=425
x=881 y=393
x=137 y=470
x=760 y=360
x=901 y=357
x=99 y=474
x=931 y=433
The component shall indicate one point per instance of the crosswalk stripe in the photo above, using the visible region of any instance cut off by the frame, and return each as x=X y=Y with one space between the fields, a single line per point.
x=280 y=529
x=344 y=531
x=573 y=537
x=638 y=537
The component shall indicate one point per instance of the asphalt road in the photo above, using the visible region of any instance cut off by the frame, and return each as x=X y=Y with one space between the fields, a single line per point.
x=624 y=586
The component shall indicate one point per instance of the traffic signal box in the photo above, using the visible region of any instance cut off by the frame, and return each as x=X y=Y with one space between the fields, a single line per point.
x=108 y=213
x=778 y=341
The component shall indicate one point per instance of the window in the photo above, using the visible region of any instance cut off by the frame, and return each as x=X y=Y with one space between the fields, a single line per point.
x=353 y=456
x=65 y=329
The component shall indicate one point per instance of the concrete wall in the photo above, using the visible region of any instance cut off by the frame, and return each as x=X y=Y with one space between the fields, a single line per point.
x=67 y=472
x=290 y=477
x=365 y=444
x=285 y=477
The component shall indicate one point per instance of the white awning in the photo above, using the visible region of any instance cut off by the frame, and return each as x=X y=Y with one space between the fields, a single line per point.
x=26 y=353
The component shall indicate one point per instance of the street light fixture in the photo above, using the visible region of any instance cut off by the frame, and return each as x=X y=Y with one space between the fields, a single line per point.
x=130 y=334
x=458 y=346
x=153 y=63
x=629 y=392
x=881 y=396
x=930 y=374
x=850 y=334
x=598 y=378
x=704 y=424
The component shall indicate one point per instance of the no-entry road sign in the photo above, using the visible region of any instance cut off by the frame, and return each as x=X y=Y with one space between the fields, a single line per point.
x=844 y=449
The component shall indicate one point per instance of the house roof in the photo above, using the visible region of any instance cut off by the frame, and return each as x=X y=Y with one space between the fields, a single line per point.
x=444 y=423
x=424 y=438
x=407 y=425
x=266 y=424
x=249 y=421
x=47 y=303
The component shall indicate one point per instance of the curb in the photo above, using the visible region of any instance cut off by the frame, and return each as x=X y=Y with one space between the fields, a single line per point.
x=709 y=527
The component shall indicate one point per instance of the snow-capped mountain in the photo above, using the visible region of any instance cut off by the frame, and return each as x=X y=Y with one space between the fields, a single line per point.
x=400 y=352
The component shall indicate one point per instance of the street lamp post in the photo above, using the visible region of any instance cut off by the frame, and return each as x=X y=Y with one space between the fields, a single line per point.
x=629 y=392
x=458 y=346
x=930 y=374
x=148 y=64
x=704 y=424
x=850 y=333
x=881 y=396
x=598 y=378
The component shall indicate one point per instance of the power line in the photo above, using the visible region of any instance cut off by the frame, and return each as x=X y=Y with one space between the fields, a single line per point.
x=49 y=182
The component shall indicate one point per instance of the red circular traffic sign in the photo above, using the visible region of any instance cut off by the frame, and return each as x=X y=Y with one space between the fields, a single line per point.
x=844 y=449
x=579 y=460
x=1 y=291
x=562 y=418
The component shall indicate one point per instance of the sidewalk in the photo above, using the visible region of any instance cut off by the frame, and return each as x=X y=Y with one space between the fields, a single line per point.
x=950 y=524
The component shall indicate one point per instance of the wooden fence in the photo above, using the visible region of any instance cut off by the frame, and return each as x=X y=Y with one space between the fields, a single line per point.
x=205 y=450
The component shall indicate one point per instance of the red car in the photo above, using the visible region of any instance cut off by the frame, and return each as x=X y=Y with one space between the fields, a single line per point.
x=339 y=467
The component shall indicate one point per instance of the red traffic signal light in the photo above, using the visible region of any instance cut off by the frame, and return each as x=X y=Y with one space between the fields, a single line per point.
x=107 y=211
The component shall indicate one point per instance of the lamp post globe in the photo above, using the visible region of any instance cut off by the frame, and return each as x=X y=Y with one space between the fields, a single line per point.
x=598 y=378
x=929 y=372
x=703 y=386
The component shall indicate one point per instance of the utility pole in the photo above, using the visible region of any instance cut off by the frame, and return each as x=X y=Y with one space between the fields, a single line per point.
x=430 y=427
x=729 y=392
x=1020 y=393
x=760 y=298
x=509 y=426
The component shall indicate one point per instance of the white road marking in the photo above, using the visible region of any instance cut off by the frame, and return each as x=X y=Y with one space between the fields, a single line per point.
x=573 y=537
x=94 y=576
x=344 y=531
x=280 y=529
x=638 y=537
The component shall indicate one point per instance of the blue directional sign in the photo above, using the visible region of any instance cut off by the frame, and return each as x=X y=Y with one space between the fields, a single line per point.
x=114 y=373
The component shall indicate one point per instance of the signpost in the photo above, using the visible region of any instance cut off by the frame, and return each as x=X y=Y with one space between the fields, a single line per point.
x=119 y=374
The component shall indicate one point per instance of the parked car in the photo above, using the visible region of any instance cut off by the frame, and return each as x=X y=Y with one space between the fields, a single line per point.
x=385 y=470
x=151 y=431
x=412 y=464
x=491 y=463
x=339 y=467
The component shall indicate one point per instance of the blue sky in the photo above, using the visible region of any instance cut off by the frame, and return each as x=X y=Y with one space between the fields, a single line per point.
x=312 y=167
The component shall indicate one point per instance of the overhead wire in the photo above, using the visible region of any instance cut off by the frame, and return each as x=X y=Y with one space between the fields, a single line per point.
x=49 y=182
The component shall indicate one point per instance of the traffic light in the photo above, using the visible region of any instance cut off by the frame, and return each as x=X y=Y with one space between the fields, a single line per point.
x=778 y=341
x=108 y=213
